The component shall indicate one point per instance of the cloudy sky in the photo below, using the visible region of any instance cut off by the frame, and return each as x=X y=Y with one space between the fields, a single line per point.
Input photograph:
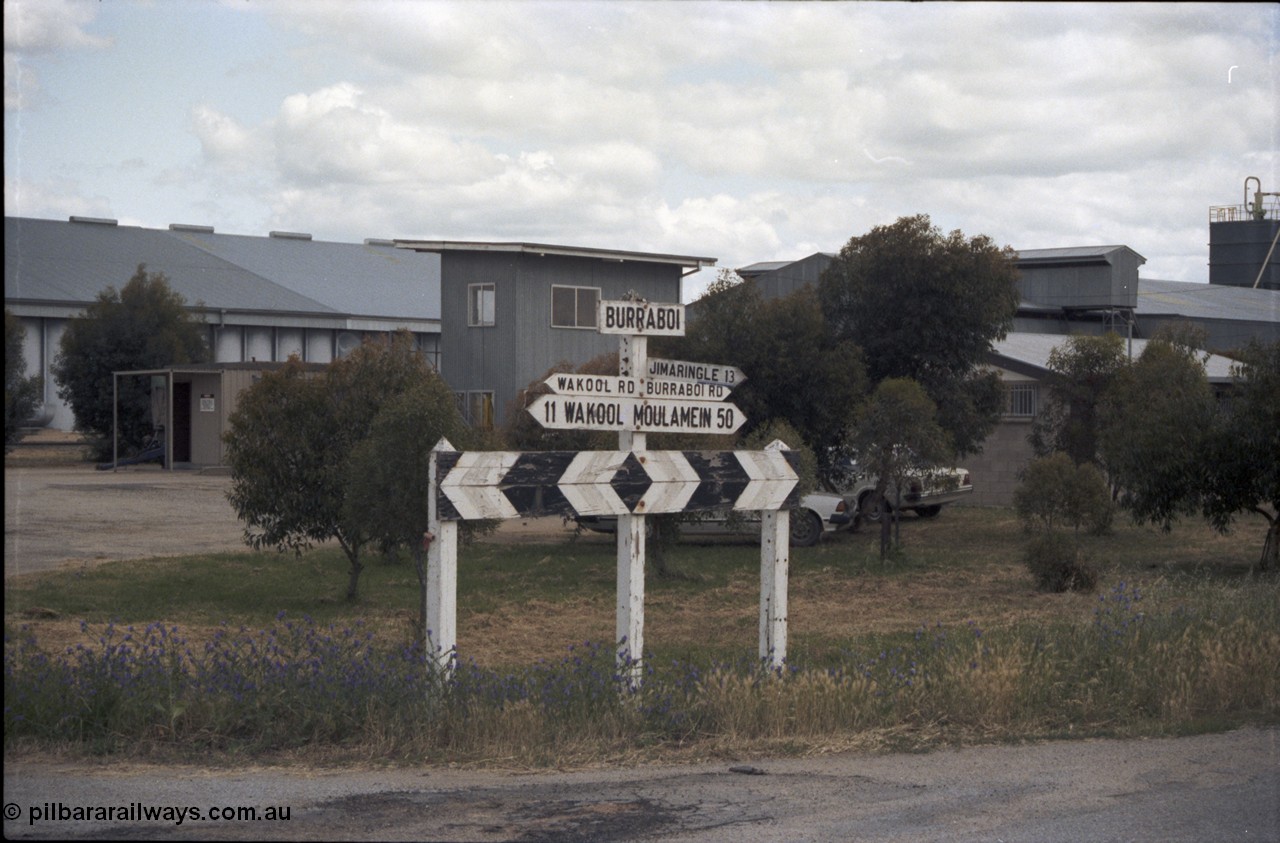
x=739 y=131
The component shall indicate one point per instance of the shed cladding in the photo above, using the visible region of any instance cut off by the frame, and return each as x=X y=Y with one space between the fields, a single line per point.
x=524 y=340
x=71 y=262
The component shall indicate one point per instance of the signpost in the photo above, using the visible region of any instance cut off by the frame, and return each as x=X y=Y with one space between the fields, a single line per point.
x=646 y=396
x=665 y=415
x=729 y=376
x=611 y=386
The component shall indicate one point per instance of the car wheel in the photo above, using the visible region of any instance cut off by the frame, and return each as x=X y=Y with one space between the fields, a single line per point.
x=929 y=511
x=806 y=528
x=869 y=507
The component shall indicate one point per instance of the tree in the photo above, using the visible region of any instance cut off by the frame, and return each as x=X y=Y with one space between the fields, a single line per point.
x=1056 y=490
x=927 y=306
x=1243 y=458
x=145 y=325
x=388 y=473
x=522 y=432
x=896 y=433
x=796 y=370
x=1157 y=416
x=21 y=391
x=1081 y=371
x=291 y=439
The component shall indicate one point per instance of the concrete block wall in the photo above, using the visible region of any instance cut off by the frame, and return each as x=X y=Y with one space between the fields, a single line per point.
x=995 y=471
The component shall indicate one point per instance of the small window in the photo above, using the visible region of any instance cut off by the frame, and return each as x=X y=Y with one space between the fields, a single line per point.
x=1021 y=400
x=480 y=305
x=480 y=410
x=574 y=307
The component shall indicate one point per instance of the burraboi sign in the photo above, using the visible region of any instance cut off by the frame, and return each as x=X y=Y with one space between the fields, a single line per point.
x=640 y=318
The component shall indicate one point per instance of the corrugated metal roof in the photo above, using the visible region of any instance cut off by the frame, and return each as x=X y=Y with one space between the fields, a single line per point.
x=1207 y=301
x=762 y=267
x=1071 y=253
x=1034 y=349
x=550 y=249
x=71 y=262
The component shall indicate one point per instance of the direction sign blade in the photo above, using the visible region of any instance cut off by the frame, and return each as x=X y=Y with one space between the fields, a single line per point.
x=569 y=412
x=729 y=376
x=620 y=386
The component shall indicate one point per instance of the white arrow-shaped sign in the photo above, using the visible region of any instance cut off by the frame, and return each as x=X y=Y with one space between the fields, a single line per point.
x=618 y=386
x=729 y=376
x=585 y=483
x=674 y=482
x=772 y=479
x=654 y=415
x=472 y=486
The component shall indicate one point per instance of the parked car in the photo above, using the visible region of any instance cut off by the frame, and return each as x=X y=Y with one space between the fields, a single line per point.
x=925 y=495
x=818 y=513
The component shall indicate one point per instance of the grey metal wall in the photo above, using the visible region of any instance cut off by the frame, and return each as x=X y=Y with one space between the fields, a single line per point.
x=522 y=344
x=1237 y=250
x=793 y=276
x=1074 y=285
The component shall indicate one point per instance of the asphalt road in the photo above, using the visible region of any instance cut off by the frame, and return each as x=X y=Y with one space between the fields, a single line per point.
x=1205 y=788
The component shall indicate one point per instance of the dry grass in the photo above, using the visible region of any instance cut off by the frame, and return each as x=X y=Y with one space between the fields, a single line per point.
x=535 y=601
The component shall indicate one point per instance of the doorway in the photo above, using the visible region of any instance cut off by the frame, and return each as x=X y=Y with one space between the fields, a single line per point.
x=182 y=422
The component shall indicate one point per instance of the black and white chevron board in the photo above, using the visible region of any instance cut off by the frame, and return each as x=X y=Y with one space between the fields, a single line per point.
x=510 y=484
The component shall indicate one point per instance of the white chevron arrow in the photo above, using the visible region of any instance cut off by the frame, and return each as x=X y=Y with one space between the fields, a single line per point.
x=674 y=482
x=472 y=484
x=772 y=479
x=585 y=484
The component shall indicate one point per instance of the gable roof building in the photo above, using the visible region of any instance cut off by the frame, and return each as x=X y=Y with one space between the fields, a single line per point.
x=263 y=298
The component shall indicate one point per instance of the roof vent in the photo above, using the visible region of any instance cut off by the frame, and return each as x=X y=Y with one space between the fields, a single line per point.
x=95 y=220
x=290 y=235
x=202 y=229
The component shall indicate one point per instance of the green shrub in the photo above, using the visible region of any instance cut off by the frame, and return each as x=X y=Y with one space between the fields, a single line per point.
x=1056 y=492
x=1059 y=564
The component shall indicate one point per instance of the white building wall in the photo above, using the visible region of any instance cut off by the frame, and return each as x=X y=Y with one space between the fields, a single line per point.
x=319 y=346
x=289 y=341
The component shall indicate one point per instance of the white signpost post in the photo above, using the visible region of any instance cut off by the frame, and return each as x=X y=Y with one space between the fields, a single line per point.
x=646 y=396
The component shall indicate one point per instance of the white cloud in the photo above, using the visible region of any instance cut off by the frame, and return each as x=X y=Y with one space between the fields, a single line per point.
x=224 y=143
x=39 y=27
x=35 y=26
x=742 y=131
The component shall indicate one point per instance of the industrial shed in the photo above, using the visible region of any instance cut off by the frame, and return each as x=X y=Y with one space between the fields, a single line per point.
x=262 y=298
x=1022 y=361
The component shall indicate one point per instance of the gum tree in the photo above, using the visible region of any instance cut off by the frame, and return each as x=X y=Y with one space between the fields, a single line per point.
x=1157 y=419
x=144 y=325
x=389 y=470
x=896 y=433
x=797 y=370
x=927 y=306
x=291 y=441
x=1081 y=371
x=1243 y=460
